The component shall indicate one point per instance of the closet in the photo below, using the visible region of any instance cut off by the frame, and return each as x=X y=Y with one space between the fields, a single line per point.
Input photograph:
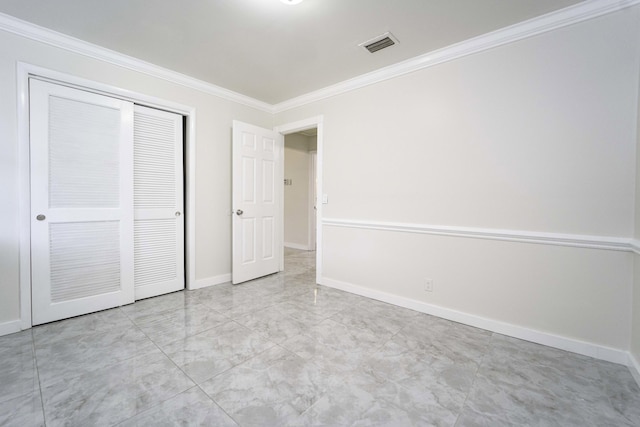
x=107 y=223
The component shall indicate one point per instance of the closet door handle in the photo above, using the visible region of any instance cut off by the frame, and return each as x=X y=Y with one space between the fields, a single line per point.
x=178 y=213
x=239 y=212
x=41 y=217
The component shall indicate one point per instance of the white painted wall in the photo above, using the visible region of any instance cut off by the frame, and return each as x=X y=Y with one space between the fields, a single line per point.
x=296 y=196
x=538 y=135
x=213 y=152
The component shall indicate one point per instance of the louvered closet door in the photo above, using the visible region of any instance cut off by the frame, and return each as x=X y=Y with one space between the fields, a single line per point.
x=158 y=202
x=81 y=202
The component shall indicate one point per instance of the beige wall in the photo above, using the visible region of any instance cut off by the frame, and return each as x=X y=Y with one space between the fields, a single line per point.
x=538 y=135
x=213 y=152
x=635 y=327
x=578 y=293
x=296 y=196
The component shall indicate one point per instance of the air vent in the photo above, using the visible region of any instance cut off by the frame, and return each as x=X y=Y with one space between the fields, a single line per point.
x=378 y=43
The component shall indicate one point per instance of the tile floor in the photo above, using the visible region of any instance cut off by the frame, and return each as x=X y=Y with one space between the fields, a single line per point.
x=280 y=351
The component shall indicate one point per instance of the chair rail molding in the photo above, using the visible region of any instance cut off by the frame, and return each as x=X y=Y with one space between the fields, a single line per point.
x=535 y=237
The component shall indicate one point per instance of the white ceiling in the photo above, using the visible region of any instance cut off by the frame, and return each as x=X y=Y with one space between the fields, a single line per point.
x=266 y=49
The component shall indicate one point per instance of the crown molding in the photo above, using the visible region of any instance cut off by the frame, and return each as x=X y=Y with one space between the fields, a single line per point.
x=583 y=11
x=521 y=236
x=53 y=38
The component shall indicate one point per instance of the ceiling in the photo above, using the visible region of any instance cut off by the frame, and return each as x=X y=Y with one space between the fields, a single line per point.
x=269 y=50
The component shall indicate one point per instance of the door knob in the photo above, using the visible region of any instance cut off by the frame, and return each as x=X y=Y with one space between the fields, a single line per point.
x=41 y=217
x=177 y=213
x=239 y=212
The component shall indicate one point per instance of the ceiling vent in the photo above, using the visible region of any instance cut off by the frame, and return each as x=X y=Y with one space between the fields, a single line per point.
x=378 y=43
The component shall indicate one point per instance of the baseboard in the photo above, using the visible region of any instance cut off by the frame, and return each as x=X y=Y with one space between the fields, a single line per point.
x=296 y=246
x=211 y=281
x=11 y=327
x=634 y=367
x=544 y=338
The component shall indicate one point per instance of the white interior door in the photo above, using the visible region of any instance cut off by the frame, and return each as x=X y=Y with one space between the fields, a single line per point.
x=158 y=202
x=81 y=202
x=256 y=223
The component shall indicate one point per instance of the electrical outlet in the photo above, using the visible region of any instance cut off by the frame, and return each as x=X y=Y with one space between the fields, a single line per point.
x=428 y=285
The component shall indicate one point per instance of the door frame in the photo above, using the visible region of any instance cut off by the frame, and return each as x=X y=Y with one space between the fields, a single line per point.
x=293 y=127
x=25 y=71
x=313 y=219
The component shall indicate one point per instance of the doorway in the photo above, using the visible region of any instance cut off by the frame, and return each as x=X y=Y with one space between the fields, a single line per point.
x=312 y=123
x=300 y=158
x=300 y=180
x=258 y=197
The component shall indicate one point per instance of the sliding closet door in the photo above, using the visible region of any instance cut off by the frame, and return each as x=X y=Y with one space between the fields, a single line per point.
x=158 y=202
x=81 y=202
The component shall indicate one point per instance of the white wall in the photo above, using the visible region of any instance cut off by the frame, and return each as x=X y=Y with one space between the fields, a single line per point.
x=213 y=152
x=537 y=135
x=296 y=196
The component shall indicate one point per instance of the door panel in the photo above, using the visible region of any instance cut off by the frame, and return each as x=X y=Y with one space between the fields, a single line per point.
x=256 y=153
x=158 y=202
x=71 y=258
x=81 y=202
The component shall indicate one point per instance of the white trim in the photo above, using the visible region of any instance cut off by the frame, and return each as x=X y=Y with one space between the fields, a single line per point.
x=24 y=181
x=212 y=281
x=300 y=125
x=561 y=18
x=320 y=192
x=190 y=200
x=634 y=244
x=634 y=367
x=296 y=246
x=24 y=72
x=280 y=193
x=532 y=335
x=293 y=127
x=53 y=38
x=10 y=327
x=572 y=240
x=311 y=220
x=579 y=12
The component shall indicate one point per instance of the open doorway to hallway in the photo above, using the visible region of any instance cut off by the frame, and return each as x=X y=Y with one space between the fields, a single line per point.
x=300 y=195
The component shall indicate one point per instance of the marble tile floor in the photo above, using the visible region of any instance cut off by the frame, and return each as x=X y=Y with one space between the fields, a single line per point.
x=281 y=351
